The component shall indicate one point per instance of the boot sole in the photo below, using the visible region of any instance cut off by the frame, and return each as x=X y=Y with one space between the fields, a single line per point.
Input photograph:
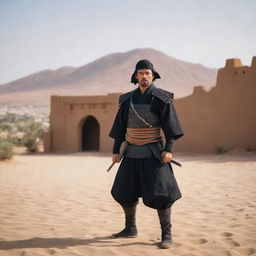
x=165 y=246
x=131 y=236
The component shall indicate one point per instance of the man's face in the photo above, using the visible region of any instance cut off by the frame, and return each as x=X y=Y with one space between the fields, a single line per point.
x=145 y=77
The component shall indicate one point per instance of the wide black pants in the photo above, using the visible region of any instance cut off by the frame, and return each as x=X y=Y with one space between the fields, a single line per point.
x=147 y=178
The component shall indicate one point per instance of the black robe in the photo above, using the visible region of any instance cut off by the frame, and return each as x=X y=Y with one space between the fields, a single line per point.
x=148 y=178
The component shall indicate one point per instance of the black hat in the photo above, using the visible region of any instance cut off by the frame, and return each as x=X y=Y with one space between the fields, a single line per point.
x=144 y=64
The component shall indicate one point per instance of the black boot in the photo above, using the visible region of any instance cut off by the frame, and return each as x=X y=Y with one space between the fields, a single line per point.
x=130 y=229
x=165 y=222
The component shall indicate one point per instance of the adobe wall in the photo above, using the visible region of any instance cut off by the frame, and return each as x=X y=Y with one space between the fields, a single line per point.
x=222 y=117
x=68 y=114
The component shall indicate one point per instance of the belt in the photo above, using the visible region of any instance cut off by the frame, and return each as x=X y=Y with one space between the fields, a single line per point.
x=142 y=136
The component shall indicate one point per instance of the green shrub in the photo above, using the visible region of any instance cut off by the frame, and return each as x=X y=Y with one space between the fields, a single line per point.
x=15 y=141
x=33 y=133
x=6 y=149
x=22 y=130
x=5 y=127
x=31 y=142
x=34 y=128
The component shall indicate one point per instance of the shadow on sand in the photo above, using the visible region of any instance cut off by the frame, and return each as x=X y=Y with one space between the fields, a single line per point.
x=61 y=243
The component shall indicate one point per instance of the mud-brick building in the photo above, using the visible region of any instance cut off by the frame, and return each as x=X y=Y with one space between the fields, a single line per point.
x=223 y=117
x=80 y=123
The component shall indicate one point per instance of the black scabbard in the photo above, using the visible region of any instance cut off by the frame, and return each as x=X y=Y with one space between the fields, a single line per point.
x=176 y=162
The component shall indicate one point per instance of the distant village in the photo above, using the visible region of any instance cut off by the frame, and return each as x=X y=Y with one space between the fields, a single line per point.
x=39 y=113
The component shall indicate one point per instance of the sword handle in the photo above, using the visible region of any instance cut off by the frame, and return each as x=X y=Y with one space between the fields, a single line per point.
x=121 y=156
x=176 y=162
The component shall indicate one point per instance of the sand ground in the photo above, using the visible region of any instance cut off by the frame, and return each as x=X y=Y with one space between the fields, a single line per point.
x=60 y=204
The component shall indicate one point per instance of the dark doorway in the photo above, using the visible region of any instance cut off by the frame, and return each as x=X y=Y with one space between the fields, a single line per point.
x=90 y=135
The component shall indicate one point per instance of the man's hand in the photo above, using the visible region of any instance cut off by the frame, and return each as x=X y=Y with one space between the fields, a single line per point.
x=166 y=156
x=116 y=158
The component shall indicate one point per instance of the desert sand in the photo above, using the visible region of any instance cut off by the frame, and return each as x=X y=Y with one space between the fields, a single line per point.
x=60 y=204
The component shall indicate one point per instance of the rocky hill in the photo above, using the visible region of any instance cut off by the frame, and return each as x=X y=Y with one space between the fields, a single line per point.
x=107 y=74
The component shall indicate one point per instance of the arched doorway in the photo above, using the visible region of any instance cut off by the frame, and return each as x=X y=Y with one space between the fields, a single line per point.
x=90 y=134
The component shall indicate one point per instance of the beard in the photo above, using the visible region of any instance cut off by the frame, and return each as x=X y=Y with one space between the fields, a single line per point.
x=144 y=83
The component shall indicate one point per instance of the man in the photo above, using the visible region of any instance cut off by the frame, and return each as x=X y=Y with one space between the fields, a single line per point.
x=145 y=170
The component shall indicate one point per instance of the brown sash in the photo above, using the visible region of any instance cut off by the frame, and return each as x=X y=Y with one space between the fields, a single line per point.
x=141 y=136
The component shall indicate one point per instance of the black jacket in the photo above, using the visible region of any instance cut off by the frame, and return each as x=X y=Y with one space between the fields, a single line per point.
x=161 y=104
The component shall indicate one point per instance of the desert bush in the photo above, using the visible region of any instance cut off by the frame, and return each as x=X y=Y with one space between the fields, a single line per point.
x=6 y=149
x=33 y=133
x=15 y=141
x=34 y=128
x=5 y=127
x=22 y=130
x=31 y=143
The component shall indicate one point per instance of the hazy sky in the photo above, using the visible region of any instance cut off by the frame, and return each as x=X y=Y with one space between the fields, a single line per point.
x=42 y=34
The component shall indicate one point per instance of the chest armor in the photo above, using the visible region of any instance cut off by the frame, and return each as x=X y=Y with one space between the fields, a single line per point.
x=144 y=111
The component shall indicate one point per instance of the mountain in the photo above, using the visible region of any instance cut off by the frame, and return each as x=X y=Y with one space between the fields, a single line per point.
x=108 y=74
